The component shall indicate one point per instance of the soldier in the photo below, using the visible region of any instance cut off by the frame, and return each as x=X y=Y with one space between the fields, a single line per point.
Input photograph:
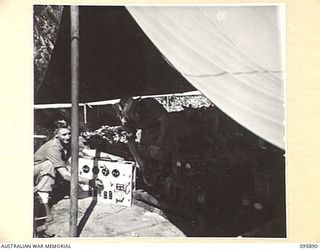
x=50 y=158
x=154 y=155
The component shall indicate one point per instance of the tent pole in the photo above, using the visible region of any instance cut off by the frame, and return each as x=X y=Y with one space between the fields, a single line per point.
x=74 y=15
x=168 y=103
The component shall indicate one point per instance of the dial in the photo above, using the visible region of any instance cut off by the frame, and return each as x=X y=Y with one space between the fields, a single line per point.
x=115 y=173
x=105 y=172
x=85 y=169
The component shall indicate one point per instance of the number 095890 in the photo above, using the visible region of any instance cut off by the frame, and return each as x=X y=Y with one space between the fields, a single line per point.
x=308 y=246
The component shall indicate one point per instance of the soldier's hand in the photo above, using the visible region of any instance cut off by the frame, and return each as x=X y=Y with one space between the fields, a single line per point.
x=139 y=163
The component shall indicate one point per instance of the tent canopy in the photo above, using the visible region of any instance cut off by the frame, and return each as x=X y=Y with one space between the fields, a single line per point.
x=231 y=54
x=116 y=59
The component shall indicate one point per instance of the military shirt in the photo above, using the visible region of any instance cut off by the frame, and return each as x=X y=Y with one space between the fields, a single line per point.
x=54 y=152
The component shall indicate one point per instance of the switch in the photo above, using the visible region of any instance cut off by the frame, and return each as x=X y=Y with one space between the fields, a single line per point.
x=119 y=187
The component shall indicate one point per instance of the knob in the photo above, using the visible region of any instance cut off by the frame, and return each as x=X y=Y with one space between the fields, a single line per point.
x=95 y=170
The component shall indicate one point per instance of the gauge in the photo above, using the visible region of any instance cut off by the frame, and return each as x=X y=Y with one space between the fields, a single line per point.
x=85 y=169
x=105 y=172
x=115 y=172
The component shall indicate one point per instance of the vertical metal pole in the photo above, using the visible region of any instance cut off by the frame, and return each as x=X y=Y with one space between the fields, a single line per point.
x=85 y=113
x=168 y=103
x=74 y=15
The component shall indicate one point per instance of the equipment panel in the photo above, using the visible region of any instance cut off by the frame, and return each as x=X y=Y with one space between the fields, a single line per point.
x=118 y=179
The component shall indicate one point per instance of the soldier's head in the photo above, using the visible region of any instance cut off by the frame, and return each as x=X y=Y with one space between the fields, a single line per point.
x=126 y=108
x=62 y=132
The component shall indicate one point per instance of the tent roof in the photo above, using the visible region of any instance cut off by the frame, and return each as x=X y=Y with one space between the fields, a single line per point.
x=116 y=59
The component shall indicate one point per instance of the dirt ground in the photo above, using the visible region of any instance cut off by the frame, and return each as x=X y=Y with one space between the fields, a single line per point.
x=107 y=220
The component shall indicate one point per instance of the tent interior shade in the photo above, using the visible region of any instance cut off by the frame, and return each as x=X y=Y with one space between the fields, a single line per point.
x=231 y=54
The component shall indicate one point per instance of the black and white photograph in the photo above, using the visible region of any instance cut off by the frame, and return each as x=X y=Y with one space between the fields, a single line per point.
x=159 y=121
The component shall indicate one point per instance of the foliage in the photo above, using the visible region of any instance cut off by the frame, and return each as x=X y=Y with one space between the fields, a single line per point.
x=179 y=103
x=110 y=134
x=46 y=20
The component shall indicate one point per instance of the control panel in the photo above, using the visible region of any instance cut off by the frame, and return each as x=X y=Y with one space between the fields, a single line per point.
x=118 y=178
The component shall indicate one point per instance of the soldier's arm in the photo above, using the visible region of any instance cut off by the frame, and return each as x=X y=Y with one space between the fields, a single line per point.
x=66 y=175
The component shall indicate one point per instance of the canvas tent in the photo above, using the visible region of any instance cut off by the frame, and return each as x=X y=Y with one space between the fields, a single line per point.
x=231 y=54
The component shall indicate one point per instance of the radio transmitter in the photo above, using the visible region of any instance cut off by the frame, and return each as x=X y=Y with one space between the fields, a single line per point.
x=118 y=178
